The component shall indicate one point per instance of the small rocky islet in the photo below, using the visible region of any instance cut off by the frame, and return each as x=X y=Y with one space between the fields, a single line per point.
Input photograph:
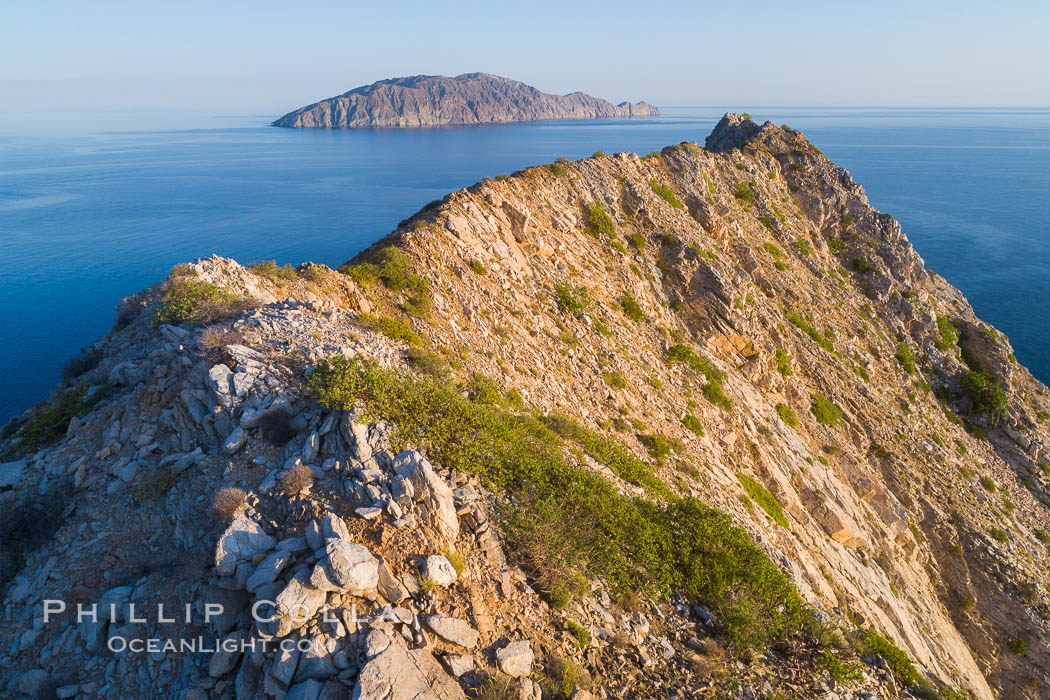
x=698 y=423
x=436 y=100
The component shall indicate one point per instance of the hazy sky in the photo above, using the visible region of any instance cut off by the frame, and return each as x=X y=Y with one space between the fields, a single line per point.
x=270 y=57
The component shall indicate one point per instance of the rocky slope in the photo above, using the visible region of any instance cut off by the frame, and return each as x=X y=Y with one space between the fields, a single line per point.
x=434 y=100
x=734 y=324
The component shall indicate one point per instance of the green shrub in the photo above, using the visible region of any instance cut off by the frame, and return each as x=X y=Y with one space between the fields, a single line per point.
x=608 y=452
x=573 y=300
x=684 y=353
x=765 y=499
x=197 y=301
x=744 y=193
x=842 y=671
x=278 y=274
x=631 y=308
x=826 y=412
x=484 y=390
x=615 y=380
x=393 y=328
x=52 y=420
x=693 y=424
x=837 y=246
x=784 y=363
x=986 y=396
x=579 y=633
x=713 y=391
x=391 y=266
x=637 y=241
x=804 y=247
x=874 y=644
x=417 y=305
x=947 y=333
x=563 y=518
x=999 y=535
x=427 y=361
x=988 y=483
x=659 y=446
x=1018 y=646
x=667 y=193
x=1042 y=535
x=861 y=266
x=598 y=221
x=806 y=327
x=906 y=358
x=787 y=414
x=478 y=267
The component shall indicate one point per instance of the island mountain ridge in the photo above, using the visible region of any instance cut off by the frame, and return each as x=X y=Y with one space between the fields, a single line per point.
x=436 y=100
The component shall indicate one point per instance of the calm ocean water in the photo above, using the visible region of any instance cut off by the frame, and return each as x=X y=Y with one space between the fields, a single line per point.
x=97 y=209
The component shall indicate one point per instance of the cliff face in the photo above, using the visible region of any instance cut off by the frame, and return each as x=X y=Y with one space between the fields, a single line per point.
x=434 y=100
x=737 y=317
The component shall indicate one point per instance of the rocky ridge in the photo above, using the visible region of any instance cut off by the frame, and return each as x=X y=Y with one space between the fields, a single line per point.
x=436 y=100
x=569 y=286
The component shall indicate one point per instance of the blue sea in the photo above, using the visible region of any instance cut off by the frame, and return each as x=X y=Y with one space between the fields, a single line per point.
x=97 y=206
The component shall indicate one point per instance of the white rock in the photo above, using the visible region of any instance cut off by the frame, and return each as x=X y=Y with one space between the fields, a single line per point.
x=353 y=567
x=393 y=672
x=435 y=494
x=515 y=659
x=11 y=473
x=440 y=569
x=243 y=539
x=454 y=630
x=235 y=441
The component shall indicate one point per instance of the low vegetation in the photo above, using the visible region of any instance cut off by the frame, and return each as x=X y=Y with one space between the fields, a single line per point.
x=767 y=501
x=825 y=411
x=783 y=363
x=667 y=193
x=631 y=308
x=803 y=324
x=572 y=300
x=598 y=221
x=787 y=414
x=197 y=301
x=566 y=520
x=393 y=328
x=713 y=390
x=51 y=421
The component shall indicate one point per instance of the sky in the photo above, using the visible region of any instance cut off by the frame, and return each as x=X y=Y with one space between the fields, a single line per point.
x=271 y=57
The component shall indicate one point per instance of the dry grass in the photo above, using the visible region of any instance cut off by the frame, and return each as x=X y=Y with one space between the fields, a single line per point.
x=297 y=479
x=215 y=337
x=228 y=503
x=427 y=584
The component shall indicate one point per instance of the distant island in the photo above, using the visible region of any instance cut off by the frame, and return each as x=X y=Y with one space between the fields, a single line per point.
x=436 y=100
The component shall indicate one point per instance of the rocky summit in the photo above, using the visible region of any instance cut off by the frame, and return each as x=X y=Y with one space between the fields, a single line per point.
x=693 y=424
x=435 y=100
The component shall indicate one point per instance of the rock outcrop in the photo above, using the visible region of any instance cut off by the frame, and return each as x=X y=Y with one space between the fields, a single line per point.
x=734 y=325
x=435 y=100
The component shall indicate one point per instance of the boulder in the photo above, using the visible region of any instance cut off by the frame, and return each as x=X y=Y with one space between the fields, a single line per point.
x=389 y=587
x=267 y=570
x=440 y=570
x=515 y=659
x=235 y=441
x=431 y=490
x=454 y=631
x=458 y=664
x=11 y=473
x=241 y=541
x=297 y=603
x=393 y=672
x=352 y=567
x=225 y=658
